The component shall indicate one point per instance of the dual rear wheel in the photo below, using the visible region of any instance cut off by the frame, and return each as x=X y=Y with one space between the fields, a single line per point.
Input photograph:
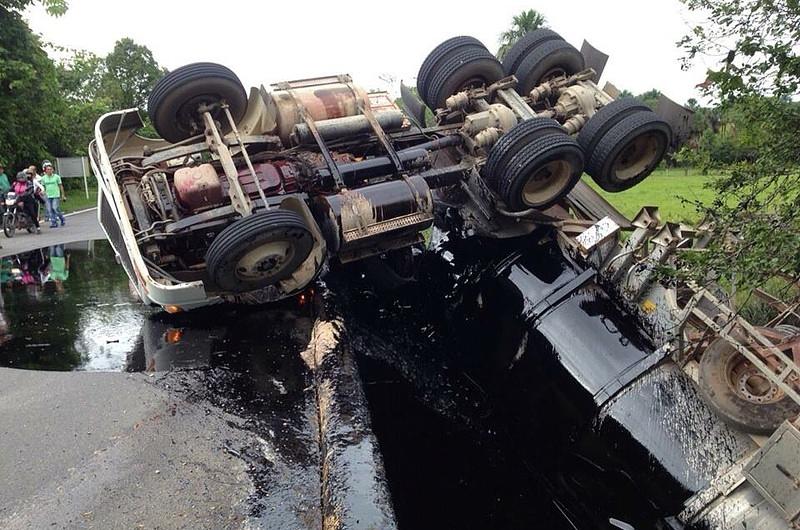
x=533 y=165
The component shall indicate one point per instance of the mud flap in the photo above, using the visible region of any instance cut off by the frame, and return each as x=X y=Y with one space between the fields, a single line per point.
x=413 y=105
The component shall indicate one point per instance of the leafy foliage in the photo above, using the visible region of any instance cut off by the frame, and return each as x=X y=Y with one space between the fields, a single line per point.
x=131 y=73
x=31 y=106
x=755 y=213
x=521 y=24
x=49 y=109
x=53 y=7
x=650 y=98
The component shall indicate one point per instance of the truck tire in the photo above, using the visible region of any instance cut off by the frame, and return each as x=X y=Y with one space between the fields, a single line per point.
x=172 y=105
x=525 y=45
x=548 y=60
x=739 y=394
x=630 y=150
x=605 y=118
x=467 y=67
x=258 y=250
x=540 y=172
x=438 y=55
x=509 y=144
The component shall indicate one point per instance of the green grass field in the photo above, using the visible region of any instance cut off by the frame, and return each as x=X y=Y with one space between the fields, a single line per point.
x=76 y=197
x=666 y=189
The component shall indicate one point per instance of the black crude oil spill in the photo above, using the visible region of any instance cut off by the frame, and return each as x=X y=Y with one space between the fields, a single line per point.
x=67 y=307
x=485 y=413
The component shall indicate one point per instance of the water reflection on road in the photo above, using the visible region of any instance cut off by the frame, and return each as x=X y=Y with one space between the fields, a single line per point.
x=67 y=307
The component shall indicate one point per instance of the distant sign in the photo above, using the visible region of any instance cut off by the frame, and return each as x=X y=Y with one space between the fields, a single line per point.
x=72 y=167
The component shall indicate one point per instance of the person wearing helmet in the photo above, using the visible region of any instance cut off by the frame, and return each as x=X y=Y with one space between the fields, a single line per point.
x=23 y=187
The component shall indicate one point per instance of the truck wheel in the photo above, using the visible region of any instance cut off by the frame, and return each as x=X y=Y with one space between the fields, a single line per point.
x=548 y=60
x=629 y=151
x=509 y=144
x=540 y=172
x=739 y=393
x=431 y=63
x=9 y=224
x=466 y=68
x=258 y=250
x=605 y=118
x=172 y=105
x=526 y=45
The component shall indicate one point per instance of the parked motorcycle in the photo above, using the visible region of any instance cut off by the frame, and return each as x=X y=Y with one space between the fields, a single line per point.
x=14 y=218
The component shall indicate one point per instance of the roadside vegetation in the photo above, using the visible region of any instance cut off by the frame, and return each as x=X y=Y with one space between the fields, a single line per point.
x=675 y=191
x=49 y=107
x=76 y=195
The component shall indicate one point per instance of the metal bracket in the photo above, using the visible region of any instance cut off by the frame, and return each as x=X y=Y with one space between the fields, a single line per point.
x=379 y=132
x=239 y=199
x=312 y=127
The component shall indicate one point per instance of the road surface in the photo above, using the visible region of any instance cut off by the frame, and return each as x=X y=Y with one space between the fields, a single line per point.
x=81 y=226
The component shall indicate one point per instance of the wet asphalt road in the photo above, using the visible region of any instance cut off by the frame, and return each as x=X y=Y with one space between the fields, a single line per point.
x=113 y=450
x=80 y=226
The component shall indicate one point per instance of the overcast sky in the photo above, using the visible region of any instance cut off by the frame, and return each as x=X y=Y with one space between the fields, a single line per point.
x=265 y=42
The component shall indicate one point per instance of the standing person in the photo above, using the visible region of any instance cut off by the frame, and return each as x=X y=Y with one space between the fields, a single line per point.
x=23 y=187
x=5 y=185
x=38 y=190
x=55 y=194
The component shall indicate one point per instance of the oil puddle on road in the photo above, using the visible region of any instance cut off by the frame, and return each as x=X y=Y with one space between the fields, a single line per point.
x=67 y=307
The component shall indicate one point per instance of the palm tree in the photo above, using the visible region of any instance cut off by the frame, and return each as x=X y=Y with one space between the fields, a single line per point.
x=521 y=24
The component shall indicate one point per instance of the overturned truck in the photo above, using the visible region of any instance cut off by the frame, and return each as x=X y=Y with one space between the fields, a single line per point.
x=251 y=199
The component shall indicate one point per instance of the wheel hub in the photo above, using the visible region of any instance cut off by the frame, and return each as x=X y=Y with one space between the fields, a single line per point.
x=750 y=384
x=264 y=261
x=545 y=182
x=637 y=156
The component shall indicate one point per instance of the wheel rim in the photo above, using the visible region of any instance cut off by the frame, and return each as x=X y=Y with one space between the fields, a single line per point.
x=637 y=156
x=265 y=261
x=552 y=74
x=747 y=382
x=474 y=82
x=546 y=182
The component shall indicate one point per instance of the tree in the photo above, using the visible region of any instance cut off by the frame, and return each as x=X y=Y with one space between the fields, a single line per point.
x=521 y=24
x=650 y=98
x=31 y=107
x=757 y=83
x=53 y=7
x=131 y=73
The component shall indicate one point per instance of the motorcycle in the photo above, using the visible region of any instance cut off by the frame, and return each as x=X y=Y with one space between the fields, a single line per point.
x=14 y=218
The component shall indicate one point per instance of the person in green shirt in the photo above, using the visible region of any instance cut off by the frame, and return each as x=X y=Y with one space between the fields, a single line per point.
x=54 y=190
x=59 y=264
x=5 y=185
